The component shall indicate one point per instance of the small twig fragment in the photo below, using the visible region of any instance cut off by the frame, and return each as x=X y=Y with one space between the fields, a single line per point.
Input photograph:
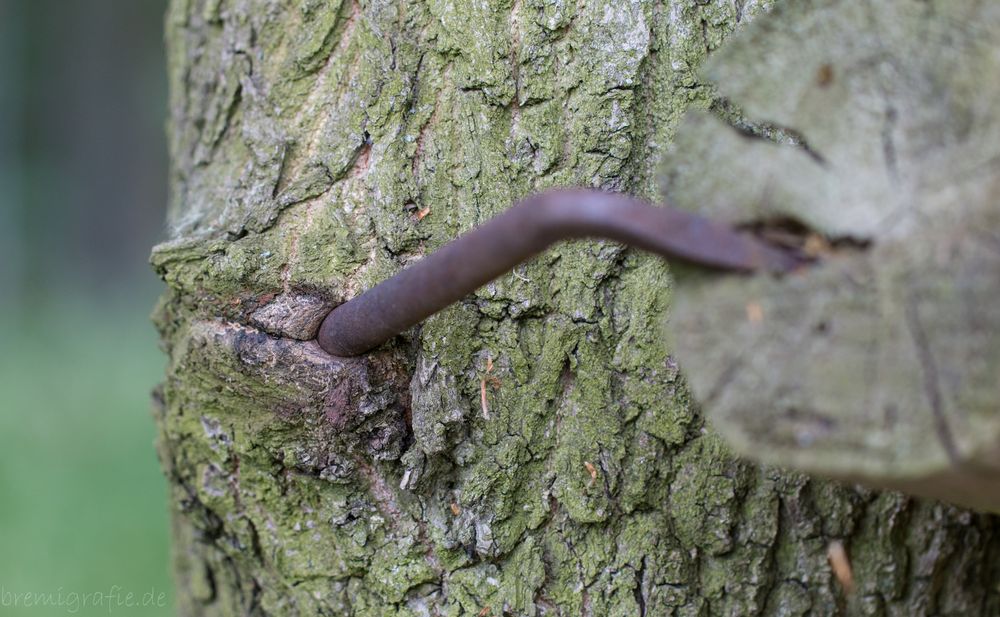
x=492 y=380
x=520 y=276
x=482 y=399
x=836 y=554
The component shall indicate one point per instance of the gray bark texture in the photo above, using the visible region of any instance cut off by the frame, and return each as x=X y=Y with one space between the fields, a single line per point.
x=531 y=451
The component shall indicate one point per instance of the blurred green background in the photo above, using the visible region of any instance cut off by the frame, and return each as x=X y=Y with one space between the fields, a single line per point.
x=82 y=196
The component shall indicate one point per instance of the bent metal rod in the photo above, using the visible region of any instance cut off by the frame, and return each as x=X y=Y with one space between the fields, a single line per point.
x=525 y=230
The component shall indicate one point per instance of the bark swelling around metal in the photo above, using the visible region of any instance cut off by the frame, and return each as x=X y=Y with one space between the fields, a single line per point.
x=522 y=232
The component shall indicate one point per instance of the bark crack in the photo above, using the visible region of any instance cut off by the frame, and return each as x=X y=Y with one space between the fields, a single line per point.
x=931 y=379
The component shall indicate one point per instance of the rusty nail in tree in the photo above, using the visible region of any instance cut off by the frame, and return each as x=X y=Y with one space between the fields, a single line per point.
x=496 y=247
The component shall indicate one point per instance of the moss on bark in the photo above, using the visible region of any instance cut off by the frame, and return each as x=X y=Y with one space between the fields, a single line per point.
x=305 y=138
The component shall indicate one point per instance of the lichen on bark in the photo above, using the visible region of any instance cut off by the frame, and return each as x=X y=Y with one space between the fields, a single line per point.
x=319 y=147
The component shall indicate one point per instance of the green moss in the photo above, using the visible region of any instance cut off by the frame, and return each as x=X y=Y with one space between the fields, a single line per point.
x=704 y=497
x=588 y=485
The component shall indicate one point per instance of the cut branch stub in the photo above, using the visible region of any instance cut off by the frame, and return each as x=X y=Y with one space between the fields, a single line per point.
x=876 y=122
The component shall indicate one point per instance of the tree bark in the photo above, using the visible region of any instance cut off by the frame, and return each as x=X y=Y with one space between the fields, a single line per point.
x=532 y=451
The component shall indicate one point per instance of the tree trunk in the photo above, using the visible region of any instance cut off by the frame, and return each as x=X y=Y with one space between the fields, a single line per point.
x=532 y=451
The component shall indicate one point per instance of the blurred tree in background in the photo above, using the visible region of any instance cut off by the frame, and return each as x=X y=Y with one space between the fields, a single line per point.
x=82 y=197
x=83 y=160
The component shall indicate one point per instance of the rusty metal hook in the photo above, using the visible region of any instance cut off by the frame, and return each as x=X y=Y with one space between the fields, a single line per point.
x=523 y=231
